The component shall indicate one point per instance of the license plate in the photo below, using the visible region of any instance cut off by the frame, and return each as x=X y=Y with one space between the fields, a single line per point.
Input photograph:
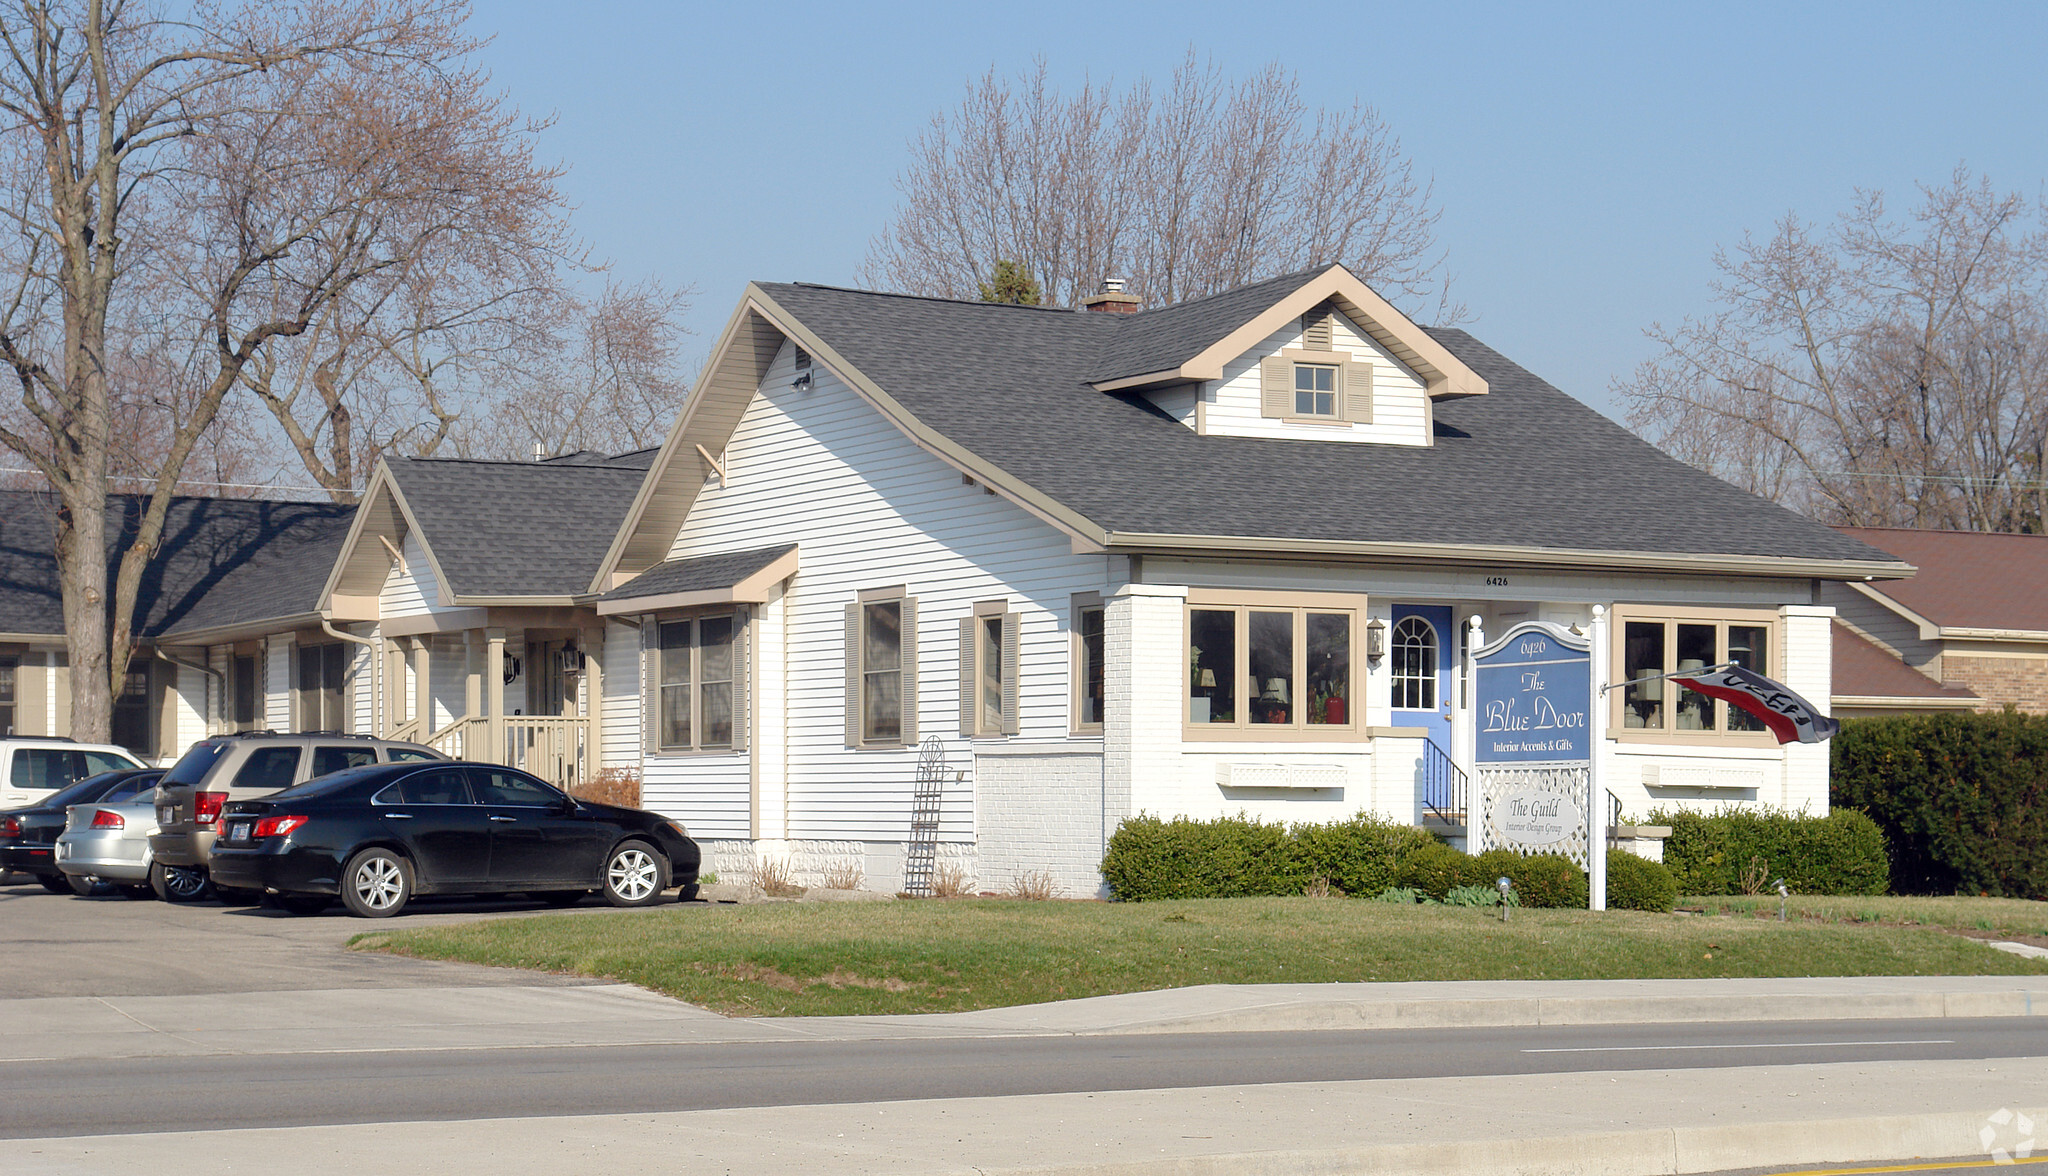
x=238 y=830
x=166 y=813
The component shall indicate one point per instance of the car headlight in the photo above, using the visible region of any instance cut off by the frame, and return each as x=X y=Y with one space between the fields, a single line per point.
x=678 y=827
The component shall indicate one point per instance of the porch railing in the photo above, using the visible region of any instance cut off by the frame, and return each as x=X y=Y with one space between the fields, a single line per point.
x=1444 y=785
x=557 y=750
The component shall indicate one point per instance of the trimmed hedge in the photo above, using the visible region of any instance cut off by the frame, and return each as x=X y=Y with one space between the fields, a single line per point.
x=1743 y=851
x=1962 y=798
x=1237 y=857
x=1639 y=884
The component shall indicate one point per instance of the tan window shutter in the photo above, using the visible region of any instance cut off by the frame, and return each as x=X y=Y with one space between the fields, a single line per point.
x=1010 y=622
x=742 y=675
x=853 y=675
x=1276 y=387
x=1358 y=393
x=650 y=686
x=909 y=672
x=970 y=683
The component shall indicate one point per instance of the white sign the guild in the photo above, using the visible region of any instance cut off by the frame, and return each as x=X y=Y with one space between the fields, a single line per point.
x=1531 y=817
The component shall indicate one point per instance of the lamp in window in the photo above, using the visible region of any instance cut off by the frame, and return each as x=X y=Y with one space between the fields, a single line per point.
x=1276 y=691
x=1208 y=679
x=1375 y=640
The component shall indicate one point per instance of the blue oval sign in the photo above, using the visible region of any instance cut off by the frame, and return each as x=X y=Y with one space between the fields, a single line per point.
x=1533 y=690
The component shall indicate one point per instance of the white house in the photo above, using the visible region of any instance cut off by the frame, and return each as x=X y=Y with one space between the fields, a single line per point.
x=1224 y=556
x=917 y=582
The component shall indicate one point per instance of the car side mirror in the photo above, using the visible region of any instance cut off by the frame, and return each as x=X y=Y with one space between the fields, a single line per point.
x=565 y=806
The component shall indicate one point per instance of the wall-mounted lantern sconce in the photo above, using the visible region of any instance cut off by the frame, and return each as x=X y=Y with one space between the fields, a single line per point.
x=1375 y=640
x=511 y=670
x=802 y=381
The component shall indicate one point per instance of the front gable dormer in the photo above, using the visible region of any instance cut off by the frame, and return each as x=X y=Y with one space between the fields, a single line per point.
x=1311 y=357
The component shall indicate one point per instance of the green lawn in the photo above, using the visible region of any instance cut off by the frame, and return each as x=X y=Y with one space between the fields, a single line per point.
x=2004 y=916
x=920 y=957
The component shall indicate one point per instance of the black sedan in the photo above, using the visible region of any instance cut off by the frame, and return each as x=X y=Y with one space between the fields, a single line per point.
x=376 y=836
x=28 y=836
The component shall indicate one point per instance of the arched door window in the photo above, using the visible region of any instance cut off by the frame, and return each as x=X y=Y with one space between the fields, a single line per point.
x=1415 y=659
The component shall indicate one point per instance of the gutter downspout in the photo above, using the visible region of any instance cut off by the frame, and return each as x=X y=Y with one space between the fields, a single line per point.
x=376 y=647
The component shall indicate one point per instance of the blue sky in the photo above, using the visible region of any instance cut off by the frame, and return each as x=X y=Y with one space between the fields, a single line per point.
x=1588 y=158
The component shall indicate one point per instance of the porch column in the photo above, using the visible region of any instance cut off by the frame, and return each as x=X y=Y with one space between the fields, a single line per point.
x=591 y=708
x=472 y=666
x=392 y=704
x=494 y=690
x=423 y=685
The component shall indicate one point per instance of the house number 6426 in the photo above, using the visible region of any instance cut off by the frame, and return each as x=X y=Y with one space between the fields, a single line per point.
x=1496 y=581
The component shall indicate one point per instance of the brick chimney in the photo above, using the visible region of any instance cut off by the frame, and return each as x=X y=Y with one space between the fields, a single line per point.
x=1113 y=300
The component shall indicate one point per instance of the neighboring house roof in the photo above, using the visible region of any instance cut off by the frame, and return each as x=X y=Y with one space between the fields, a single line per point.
x=1864 y=670
x=223 y=562
x=1523 y=469
x=1971 y=580
x=513 y=528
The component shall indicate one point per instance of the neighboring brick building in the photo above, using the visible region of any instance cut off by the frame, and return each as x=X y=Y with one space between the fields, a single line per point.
x=1970 y=628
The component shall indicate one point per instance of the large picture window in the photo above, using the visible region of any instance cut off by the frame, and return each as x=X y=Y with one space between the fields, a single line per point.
x=1271 y=665
x=698 y=691
x=881 y=670
x=1649 y=643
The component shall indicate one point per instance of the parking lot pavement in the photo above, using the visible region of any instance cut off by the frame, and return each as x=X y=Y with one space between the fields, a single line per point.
x=59 y=945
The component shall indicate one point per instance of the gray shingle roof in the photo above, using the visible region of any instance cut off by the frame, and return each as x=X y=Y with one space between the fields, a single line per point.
x=1524 y=466
x=699 y=574
x=512 y=528
x=1158 y=340
x=223 y=562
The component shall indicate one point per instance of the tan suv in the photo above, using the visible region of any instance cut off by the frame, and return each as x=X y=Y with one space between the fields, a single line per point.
x=241 y=767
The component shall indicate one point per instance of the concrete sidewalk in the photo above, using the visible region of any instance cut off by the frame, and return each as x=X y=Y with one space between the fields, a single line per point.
x=363 y=1019
x=1595 y=1124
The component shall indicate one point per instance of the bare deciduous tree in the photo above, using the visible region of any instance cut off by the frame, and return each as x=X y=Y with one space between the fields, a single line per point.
x=1204 y=187
x=1881 y=372
x=607 y=383
x=222 y=178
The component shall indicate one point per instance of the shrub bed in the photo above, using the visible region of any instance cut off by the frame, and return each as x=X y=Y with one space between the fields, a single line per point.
x=1365 y=857
x=1962 y=799
x=1743 y=852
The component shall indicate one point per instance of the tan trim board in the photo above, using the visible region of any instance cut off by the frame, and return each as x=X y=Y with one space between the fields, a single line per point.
x=223 y=634
x=1444 y=374
x=354 y=608
x=1903 y=702
x=1139 y=543
x=2013 y=635
x=56 y=639
x=453 y=620
x=1170 y=375
x=1928 y=629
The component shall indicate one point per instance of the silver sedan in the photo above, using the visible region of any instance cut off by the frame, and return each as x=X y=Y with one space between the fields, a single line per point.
x=108 y=841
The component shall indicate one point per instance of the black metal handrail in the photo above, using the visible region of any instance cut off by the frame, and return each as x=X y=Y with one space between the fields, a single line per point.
x=1444 y=785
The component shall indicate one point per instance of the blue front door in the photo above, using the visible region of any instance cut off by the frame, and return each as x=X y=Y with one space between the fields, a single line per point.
x=1420 y=650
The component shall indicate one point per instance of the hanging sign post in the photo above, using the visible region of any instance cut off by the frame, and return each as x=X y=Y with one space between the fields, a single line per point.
x=1533 y=746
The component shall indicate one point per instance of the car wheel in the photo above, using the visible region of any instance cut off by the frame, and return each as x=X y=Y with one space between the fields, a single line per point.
x=81 y=885
x=138 y=890
x=179 y=883
x=303 y=904
x=230 y=896
x=57 y=883
x=561 y=898
x=376 y=884
x=634 y=875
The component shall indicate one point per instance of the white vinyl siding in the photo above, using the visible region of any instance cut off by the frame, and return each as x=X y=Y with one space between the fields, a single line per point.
x=621 y=717
x=820 y=468
x=277 y=684
x=1400 y=410
x=410 y=588
x=448 y=680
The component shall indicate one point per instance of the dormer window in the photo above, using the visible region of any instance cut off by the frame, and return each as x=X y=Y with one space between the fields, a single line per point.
x=1315 y=390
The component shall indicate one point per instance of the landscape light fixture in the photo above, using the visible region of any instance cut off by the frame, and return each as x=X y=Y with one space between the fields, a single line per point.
x=1506 y=889
x=1783 y=894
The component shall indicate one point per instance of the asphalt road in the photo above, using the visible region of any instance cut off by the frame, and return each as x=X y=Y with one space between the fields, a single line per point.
x=40 y=1099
